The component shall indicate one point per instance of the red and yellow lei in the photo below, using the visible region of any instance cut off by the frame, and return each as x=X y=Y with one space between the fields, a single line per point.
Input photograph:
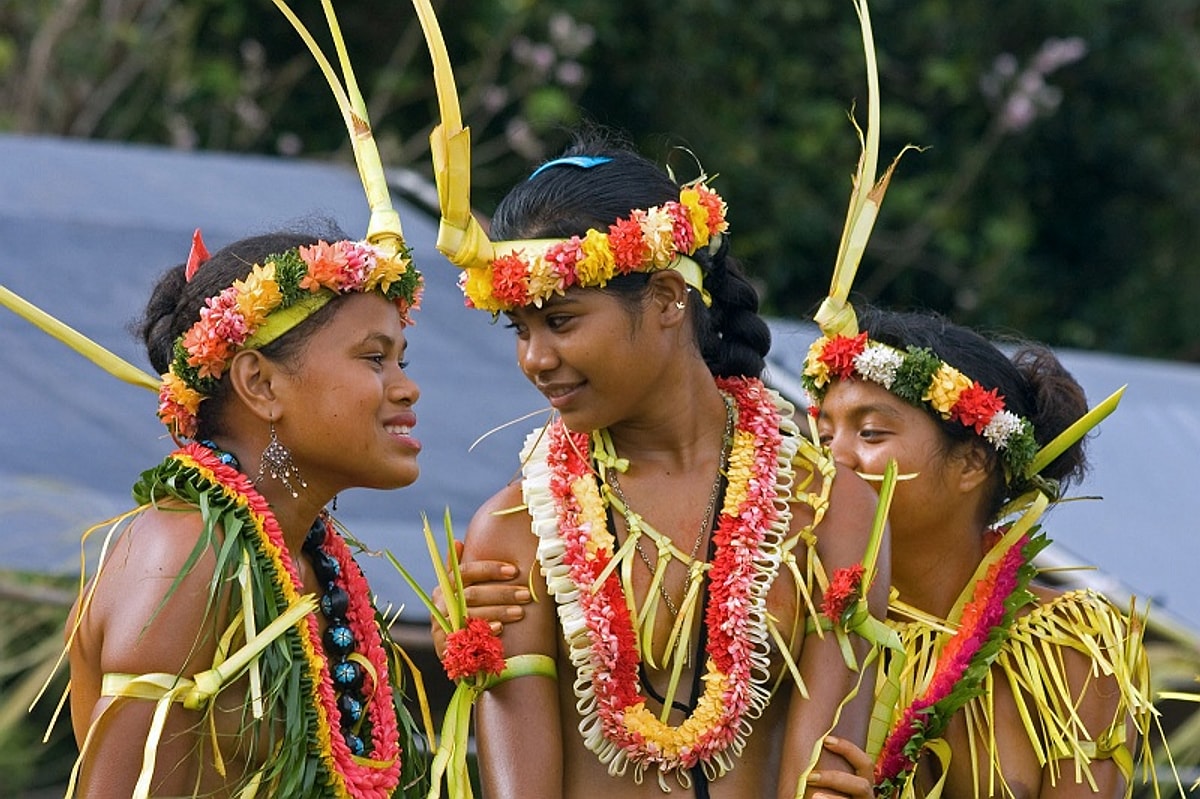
x=984 y=626
x=575 y=552
x=348 y=776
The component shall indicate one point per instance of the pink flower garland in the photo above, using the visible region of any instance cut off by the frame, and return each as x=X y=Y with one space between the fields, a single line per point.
x=359 y=778
x=986 y=617
x=738 y=539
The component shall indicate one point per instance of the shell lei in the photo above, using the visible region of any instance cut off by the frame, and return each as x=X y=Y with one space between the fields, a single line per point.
x=575 y=547
x=342 y=774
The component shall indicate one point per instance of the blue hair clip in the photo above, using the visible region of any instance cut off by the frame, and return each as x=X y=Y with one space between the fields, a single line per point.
x=581 y=161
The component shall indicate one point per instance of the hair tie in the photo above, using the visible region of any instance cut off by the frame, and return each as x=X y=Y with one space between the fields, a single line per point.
x=581 y=161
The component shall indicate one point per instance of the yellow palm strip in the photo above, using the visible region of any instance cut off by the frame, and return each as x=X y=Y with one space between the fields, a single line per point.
x=460 y=236
x=107 y=360
x=1075 y=432
x=836 y=316
x=383 y=229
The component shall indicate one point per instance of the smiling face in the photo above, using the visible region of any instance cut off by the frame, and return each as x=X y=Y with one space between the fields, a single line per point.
x=589 y=356
x=865 y=426
x=347 y=403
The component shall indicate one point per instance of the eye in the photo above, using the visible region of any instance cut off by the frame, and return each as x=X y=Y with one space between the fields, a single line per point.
x=557 y=321
x=403 y=364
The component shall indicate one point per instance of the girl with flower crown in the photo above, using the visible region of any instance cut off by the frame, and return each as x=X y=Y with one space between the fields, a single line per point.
x=228 y=644
x=1010 y=688
x=665 y=515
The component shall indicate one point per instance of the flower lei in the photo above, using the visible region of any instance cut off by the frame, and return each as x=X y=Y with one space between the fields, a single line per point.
x=646 y=241
x=958 y=676
x=921 y=378
x=299 y=280
x=576 y=550
x=374 y=777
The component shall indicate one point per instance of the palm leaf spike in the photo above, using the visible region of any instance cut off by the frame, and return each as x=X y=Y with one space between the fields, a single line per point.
x=836 y=316
x=1076 y=431
x=107 y=360
x=460 y=236
x=383 y=229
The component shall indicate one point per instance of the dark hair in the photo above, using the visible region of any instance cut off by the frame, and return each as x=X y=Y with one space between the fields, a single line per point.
x=1033 y=382
x=566 y=200
x=175 y=304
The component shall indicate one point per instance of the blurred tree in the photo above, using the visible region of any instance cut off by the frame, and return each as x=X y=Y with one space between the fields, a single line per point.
x=1058 y=193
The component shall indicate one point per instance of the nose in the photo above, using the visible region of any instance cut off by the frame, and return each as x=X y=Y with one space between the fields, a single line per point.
x=403 y=389
x=840 y=445
x=536 y=355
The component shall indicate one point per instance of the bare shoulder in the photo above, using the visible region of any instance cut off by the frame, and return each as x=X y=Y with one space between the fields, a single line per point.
x=152 y=598
x=500 y=529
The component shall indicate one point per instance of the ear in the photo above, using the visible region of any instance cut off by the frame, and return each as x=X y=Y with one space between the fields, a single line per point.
x=253 y=377
x=669 y=296
x=973 y=466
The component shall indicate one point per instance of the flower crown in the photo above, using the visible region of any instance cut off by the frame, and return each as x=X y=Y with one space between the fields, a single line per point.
x=663 y=237
x=922 y=379
x=275 y=297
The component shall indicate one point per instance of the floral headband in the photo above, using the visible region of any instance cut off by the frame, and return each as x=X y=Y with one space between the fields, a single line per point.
x=276 y=296
x=501 y=276
x=922 y=379
x=663 y=237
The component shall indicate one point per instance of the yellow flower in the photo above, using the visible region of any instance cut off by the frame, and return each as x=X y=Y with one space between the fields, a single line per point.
x=690 y=199
x=387 y=271
x=258 y=294
x=944 y=388
x=672 y=741
x=478 y=287
x=595 y=267
x=544 y=280
x=659 y=232
x=738 y=471
x=591 y=513
x=814 y=367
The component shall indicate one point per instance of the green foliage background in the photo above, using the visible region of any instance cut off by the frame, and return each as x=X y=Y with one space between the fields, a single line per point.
x=1075 y=222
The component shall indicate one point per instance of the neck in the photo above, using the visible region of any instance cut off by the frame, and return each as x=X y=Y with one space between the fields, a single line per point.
x=682 y=429
x=295 y=515
x=930 y=574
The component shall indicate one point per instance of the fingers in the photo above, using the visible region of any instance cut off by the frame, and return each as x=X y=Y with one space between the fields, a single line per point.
x=859 y=760
x=487 y=571
x=839 y=784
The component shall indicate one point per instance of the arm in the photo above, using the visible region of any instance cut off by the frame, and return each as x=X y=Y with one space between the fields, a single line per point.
x=841 y=541
x=1098 y=705
x=526 y=704
x=130 y=629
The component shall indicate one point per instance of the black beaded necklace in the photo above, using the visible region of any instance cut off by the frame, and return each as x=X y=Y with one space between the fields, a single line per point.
x=344 y=669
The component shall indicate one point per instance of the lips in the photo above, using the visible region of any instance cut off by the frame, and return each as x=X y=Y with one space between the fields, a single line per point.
x=558 y=393
x=401 y=427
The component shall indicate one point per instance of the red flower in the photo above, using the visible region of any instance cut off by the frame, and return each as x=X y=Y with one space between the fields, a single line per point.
x=976 y=406
x=840 y=352
x=472 y=651
x=843 y=589
x=510 y=280
x=628 y=246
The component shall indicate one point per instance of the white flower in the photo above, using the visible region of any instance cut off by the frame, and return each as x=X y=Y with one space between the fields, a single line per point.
x=1002 y=427
x=879 y=363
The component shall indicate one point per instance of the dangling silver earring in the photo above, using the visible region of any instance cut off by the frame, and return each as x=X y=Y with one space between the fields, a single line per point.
x=277 y=461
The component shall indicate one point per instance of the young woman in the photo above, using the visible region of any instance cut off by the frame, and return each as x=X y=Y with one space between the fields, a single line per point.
x=1011 y=688
x=228 y=642
x=665 y=512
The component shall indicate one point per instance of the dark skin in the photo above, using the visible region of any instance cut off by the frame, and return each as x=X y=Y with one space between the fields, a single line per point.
x=670 y=429
x=347 y=385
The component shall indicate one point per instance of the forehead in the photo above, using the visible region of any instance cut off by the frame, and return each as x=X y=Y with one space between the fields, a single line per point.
x=846 y=397
x=367 y=314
